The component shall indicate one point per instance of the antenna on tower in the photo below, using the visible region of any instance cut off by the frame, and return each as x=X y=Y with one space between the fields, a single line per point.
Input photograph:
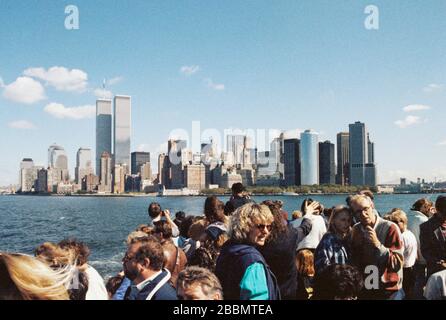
x=103 y=89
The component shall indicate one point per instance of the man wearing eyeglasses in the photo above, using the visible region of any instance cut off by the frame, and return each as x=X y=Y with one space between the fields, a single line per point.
x=377 y=243
x=143 y=265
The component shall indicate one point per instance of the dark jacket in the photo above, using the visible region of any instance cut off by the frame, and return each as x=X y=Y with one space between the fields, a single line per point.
x=232 y=263
x=280 y=254
x=433 y=244
x=237 y=201
x=165 y=292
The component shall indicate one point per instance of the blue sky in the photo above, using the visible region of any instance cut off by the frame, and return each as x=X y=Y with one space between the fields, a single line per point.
x=261 y=64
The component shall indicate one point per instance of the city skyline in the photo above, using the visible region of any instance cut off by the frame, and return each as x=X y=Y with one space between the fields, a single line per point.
x=236 y=65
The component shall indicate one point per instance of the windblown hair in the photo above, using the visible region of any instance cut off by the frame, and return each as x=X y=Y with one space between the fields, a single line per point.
x=420 y=203
x=338 y=281
x=81 y=250
x=24 y=277
x=398 y=215
x=279 y=225
x=245 y=218
x=214 y=210
x=55 y=256
x=336 y=212
x=209 y=283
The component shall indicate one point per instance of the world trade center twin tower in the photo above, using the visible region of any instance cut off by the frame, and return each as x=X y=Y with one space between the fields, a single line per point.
x=113 y=129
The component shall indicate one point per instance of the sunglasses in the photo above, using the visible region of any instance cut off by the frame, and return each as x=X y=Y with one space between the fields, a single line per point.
x=262 y=227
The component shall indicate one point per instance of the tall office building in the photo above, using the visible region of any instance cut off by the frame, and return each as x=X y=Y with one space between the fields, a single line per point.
x=195 y=176
x=292 y=172
x=83 y=164
x=362 y=170
x=28 y=175
x=327 y=166
x=119 y=178
x=105 y=184
x=163 y=170
x=343 y=146
x=122 y=131
x=58 y=160
x=138 y=159
x=178 y=157
x=309 y=157
x=103 y=130
x=235 y=145
x=277 y=152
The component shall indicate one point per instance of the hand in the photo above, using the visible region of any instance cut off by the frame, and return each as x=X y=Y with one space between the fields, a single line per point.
x=166 y=213
x=371 y=237
x=312 y=208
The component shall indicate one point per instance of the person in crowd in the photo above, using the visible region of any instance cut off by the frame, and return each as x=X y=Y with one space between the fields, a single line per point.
x=399 y=217
x=179 y=217
x=338 y=282
x=239 y=196
x=214 y=211
x=58 y=259
x=143 y=265
x=279 y=250
x=377 y=242
x=184 y=230
x=250 y=277
x=305 y=274
x=136 y=234
x=195 y=283
x=113 y=284
x=229 y=208
x=197 y=233
x=175 y=257
x=420 y=212
x=436 y=286
x=96 y=286
x=204 y=257
x=334 y=247
x=312 y=211
x=145 y=228
x=24 y=277
x=156 y=214
x=296 y=219
x=433 y=238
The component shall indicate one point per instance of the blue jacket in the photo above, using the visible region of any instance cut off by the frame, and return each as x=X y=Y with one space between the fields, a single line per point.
x=165 y=292
x=232 y=263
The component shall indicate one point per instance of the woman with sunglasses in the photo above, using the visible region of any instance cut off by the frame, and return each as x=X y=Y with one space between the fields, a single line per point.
x=241 y=269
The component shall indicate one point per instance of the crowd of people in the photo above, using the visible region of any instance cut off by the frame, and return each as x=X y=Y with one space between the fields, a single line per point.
x=244 y=250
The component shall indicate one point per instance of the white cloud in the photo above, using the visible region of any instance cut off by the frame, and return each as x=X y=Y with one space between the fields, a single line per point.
x=24 y=90
x=189 y=70
x=408 y=121
x=58 y=110
x=114 y=80
x=215 y=86
x=61 y=78
x=433 y=87
x=442 y=143
x=103 y=94
x=22 y=124
x=416 y=107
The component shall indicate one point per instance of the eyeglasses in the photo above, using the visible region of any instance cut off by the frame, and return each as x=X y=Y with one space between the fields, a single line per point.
x=127 y=258
x=262 y=227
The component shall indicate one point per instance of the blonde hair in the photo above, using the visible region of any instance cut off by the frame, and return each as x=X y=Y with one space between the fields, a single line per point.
x=54 y=256
x=244 y=219
x=397 y=215
x=24 y=277
x=135 y=235
x=296 y=214
x=358 y=197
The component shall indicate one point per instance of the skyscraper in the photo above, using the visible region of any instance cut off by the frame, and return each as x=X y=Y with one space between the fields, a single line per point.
x=58 y=160
x=83 y=164
x=138 y=159
x=28 y=175
x=103 y=130
x=327 y=166
x=309 y=157
x=122 y=131
x=235 y=145
x=292 y=162
x=343 y=146
x=106 y=182
x=362 y=170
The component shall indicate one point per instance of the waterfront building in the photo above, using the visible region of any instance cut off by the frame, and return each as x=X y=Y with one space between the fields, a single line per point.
x=119 y=175
x=106 y=181
x=195 y=177
x=343 y=169
x=327 y=166
x=139 y=159
x=292 y=164
x=58 y=160
x=90 y=183
x=28 y=175
x=362 y=171
x=122 y=131
x=103 y=130
x=309 y=158
x=235 y=146
x=229 y=178
x=83 y=164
